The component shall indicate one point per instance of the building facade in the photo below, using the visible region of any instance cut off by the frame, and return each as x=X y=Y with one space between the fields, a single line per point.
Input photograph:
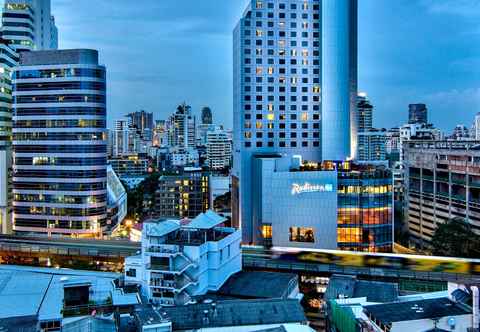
x=322 y=206
x=59 y=143
x=8 y=60
x=417 y=114
x=277 y=93
x=219 y=150
x=183 y=260
x=28 y=25
x=442 y=182
x=181 y=128
x=207 y=117
x=184 y=195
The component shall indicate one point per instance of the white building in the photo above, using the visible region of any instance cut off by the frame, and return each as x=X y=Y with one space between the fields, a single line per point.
x=29 y=25
x=219 y=150
x=182 y=158
x=476 y=126
x=181 y=128
x=181 y=259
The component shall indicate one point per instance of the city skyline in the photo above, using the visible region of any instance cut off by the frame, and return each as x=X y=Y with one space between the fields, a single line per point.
x=403 y=56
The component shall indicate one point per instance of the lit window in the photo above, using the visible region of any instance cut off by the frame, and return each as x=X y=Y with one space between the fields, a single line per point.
x=294 y=52
x=259 y=33
x=281 y=24
x=281 y=80
x=258 y=51
x=270 y=70
x=305 y=25
x=304 y=116
x=267 y=231
x=293 y=80
x=259 y=5
x=305 y=62
x=316 y=89
x=270 y=117
x=259 y=125
x=281 y=43
x=305 y=5
x=259 y=70
x=270 y=107
x=304 y=52
x=248 y=134
x=302 y=234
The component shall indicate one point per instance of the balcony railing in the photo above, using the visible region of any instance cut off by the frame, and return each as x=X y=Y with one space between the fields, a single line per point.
x=162 y=249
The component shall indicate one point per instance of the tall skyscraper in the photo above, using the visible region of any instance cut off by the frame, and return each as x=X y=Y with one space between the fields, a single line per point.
x=59 y=143
x=142 y=120
x=28 y=25
x=417 y=114
x=278 y=93
x=370 y=141
x=207 y=117
x=7 y=62
x=181 y=127
x=219 y=149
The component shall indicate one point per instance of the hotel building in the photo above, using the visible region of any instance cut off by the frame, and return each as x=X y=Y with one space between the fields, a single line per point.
x=59 y=143
x=321 y=206
x=294 y=64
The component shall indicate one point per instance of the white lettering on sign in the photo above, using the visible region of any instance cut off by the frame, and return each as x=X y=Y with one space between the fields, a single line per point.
x=298 y=189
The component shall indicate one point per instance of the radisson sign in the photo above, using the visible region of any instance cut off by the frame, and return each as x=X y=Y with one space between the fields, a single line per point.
x=298 y=189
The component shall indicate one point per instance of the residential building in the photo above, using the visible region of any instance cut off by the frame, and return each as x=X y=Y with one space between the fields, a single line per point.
x=130 y=166
x=181 y=128
x=370 y=141
x=179 y=157
x=28 y=25
x=442 y=182
x=59 y=143
x=219 y=150
x=417 y=114
x=183 y=195
x=460 y=132
x=321 y=206
x=7 y=62
x=202 y=131
x=143 y=122
x=280 y=61
x=181 y=260
x=360 y=305
x=207 y=118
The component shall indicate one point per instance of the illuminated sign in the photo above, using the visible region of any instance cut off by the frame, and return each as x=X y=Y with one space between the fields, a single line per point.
x=298 y=189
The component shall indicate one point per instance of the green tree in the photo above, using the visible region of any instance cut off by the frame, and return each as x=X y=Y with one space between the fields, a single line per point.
x=456 y=238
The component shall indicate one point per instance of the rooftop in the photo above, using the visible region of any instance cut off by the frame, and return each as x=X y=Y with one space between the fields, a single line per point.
x=350 y=287
x=206 y=220
x=235 y=313
x=30 y=291
x=59 y=57
x=259 y=285
x=161 y=228
x=416 y=310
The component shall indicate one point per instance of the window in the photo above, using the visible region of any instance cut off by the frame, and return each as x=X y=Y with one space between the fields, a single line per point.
x=131 y=273
x=302 y=234
x=267 y=231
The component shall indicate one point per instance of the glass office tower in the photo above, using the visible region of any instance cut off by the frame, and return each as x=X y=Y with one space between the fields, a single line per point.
x=59 y=144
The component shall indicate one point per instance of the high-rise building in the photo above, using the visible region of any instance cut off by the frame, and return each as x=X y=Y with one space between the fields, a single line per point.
x=59 y=143
x=207 y=117
x=185 y=195
x=417 y=114
x=28 y=25
x=143 y=122
x=181 y=128
x=278 y=94
x=219 y=150
x=7 y=62
x=460 y=132
x=370 y=141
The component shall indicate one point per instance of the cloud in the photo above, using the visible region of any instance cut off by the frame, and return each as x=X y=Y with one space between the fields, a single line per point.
x=467 y=8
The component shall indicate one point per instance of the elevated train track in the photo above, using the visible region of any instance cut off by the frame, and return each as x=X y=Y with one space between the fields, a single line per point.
x=321 y=262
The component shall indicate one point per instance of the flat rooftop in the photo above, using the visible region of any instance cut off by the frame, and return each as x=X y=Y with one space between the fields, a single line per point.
x=259 y=284
x=30 y=291
x=416 y=310
x=59 y=57
x=350 y=287
x=235 y=313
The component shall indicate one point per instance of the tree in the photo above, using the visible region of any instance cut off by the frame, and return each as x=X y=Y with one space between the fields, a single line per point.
x=456 y=238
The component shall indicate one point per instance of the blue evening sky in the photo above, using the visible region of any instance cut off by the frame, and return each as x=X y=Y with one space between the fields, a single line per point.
x=160 y=53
